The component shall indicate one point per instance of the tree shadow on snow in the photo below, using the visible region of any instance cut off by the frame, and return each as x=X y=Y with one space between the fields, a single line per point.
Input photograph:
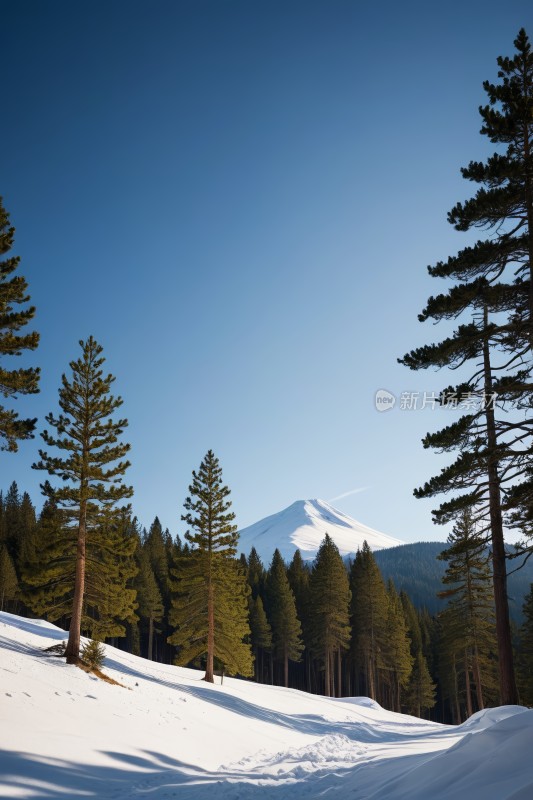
x=160 y=777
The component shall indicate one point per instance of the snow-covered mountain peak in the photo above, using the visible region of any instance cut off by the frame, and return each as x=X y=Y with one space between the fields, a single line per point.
x=303 y=526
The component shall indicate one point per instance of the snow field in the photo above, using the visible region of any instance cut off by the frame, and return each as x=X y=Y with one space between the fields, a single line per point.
x=66 y=734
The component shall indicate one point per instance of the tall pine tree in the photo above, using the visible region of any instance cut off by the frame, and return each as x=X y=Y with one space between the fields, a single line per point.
x=90 y=463
x=368 y=614
x=329 y=600
x=281 y=611
x=210 y=609
x=493 y=282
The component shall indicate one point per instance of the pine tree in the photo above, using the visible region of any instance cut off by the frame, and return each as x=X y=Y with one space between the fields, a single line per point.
x=110 y=595
x=494 y=279
x=159 y=546
x=255 y=573
x=421 y=689
x=395 y=660
x=368 y=614
x=149 y=598
x=281 y=612
x=210 y=608
x=261 y=635
x=420 y=693
x=329 y=601
x=13 y=294
x=471 y=609
x=90 y=463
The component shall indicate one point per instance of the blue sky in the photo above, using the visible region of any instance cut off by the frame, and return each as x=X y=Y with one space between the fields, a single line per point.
x=239 y=201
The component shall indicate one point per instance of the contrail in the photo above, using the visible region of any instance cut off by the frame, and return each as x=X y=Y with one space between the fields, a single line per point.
x=347 y=494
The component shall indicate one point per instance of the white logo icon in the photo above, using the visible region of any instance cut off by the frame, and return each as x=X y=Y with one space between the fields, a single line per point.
x=384 y=400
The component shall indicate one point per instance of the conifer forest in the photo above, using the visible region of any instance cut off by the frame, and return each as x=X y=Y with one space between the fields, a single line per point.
x=79 y=557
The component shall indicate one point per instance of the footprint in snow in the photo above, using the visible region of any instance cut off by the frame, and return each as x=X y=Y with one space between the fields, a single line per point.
x=8 y=695
x=91 y=696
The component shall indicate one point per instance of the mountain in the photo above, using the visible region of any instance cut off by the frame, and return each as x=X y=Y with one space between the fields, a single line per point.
x=303 y=525
x=416 y=569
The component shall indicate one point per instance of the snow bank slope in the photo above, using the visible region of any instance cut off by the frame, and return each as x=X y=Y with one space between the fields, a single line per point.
x=65 y=734
x=303 y=525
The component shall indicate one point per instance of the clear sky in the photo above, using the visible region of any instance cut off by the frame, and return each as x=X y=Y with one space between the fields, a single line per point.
x=239 y=201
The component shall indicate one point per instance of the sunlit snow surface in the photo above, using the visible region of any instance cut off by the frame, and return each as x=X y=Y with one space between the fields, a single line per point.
x=65 y=734
x=303 y=525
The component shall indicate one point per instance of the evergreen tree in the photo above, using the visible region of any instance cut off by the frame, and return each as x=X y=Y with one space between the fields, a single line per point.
x=299 y=574
x=13 y=295
x=148 y=597
x=471 y=607
x=159 y=549
x=395 y=661
x=49 y=575
x=281 y=611
x=421 y=689
x=255 y=573
x=261 y=635
x=494 y=279
x=210 y=607
x=368 y=614
x=8 y=579
x=90 y=463
x=420 y=694
x=329 y=601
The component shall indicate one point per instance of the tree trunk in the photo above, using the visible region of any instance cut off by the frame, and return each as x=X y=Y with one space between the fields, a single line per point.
x=468 y=690
x=508 y=691
x=327 y=677
x=72 y=652
x=286 y=669
x=477 y=680
x=339 y=673
x=209 y=668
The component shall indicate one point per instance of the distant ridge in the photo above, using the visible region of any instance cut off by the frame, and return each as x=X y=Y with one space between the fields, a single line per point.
x=303 y=526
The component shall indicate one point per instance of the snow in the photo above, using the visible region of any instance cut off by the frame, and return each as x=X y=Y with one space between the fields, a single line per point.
x=303 y=525
x=165 y=734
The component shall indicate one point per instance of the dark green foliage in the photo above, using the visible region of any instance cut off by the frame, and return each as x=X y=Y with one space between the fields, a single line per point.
x=210 y=608
x=261 y=636
x=150 y=604
x=93 y=654
x=494 y=286
x=368 y=614
x=420 y=694
x=14 y=315
x=299 y=574
x=415 y=569
x=468 y=624
x=49 y=575
x=9 y=587
x=281 y=611
x=395 y=660
x=526 y=652
x=255 y=573
x=90 y=464
x=328 y=634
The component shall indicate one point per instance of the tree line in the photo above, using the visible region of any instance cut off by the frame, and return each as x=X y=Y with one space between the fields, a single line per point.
x=329 y=627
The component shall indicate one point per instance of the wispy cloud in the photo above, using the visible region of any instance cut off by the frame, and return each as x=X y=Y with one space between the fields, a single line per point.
x=347 y=494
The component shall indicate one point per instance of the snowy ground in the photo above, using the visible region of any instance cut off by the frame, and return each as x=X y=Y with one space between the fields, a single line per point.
x=66 y=734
